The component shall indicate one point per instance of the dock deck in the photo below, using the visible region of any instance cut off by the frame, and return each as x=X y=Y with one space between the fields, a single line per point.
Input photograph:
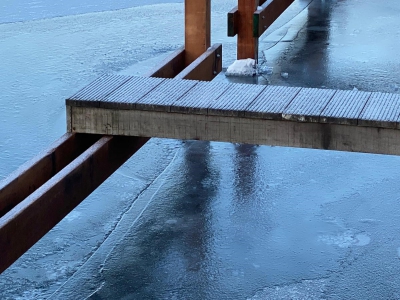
x=243 y=113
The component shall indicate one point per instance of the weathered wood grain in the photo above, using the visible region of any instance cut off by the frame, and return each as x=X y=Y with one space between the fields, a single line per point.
x=233 y=22
x=242 y=130
x=381 y=110
x=198 y=99
x=345 y=107
x=97 y=90
x=197 y=28
x=170 y=66
x=308 y=105
x=161 y=98
x=205 y=67
x=271 y=102
x=32 y=218
x=247 y=46
x=30 y=176
x=128 y=94
x=235 y=100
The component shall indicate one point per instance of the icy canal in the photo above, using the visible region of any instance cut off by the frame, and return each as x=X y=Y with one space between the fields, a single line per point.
x=195 y=220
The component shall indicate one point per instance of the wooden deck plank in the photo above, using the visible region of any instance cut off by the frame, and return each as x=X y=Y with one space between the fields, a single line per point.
x=165 y=94
x=271 y=102
x=97 y=90
x=345 y=107
x=235 y=100
x=198 y=99
x=236 y=112
x=308 y=105
x=381 y=110
x=127 y=95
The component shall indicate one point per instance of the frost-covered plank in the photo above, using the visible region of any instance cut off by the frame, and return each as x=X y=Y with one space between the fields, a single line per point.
x=96 y=91
x=165 y=94
x=199 y=98
x=308 y=105
x=271 y=102
x=345 y=107
x=127 y=95
x=235 y=100
x=381 y=110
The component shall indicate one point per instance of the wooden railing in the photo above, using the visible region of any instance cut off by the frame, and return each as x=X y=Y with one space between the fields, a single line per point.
x=250 y=19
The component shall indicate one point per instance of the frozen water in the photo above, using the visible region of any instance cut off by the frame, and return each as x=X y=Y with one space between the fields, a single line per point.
x=242 y=67
x=306 y=289
x=346 y=239
x=285 y=75
x=265 y=70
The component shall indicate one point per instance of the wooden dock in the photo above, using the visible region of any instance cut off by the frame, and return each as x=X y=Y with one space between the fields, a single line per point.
x=43 y=191
x=242 y=113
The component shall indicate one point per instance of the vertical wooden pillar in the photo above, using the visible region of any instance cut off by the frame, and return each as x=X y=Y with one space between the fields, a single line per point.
x=197 y=28
x=247 y=45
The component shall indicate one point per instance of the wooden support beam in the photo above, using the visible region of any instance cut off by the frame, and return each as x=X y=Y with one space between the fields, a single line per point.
x=30 y=176
x=233 y=21
x=270 y=11
x=247 y=44
x=197 y=28
x=171 y=66
x=234 y=129
x=205 y=67
x=32 y=218
x=43 y=191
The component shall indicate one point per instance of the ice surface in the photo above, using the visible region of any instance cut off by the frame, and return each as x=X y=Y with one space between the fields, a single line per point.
x=285 y=75
x=346 y=239
x=306 y=289
x=242 y=67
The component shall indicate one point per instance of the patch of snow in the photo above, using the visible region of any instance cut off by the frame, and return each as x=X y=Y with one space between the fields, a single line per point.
x=242 y=67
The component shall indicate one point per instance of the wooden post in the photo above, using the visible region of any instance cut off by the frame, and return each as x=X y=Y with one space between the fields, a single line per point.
x=247 y=44
x=197 y=28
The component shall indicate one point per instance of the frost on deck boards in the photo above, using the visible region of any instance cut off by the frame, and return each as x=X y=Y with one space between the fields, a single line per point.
x=243 y=113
